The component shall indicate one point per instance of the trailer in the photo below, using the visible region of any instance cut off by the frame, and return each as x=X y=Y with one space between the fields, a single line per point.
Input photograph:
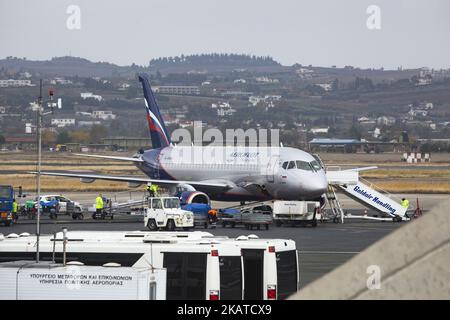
x=293 y=213
x=200 y=212
x=252 y=216
x=25 y=280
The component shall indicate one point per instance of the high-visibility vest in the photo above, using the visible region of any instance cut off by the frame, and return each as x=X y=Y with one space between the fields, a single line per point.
x=405 y=203
x=14 y=207
x=99 y=203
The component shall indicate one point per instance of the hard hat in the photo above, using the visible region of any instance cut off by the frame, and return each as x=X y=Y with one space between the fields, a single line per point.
x=149 y=184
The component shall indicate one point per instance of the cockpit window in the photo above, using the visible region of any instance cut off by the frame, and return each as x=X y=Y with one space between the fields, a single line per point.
x=291 y=165
x=316 y=165
x=285 y=164
x=303 y=165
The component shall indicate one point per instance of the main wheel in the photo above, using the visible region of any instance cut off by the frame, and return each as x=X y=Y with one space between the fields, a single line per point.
x=170 y=225
x=151 y=225
x=314 y=223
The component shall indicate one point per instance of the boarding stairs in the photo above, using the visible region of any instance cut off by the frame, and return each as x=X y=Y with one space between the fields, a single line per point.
x=337 y=214
x=362 y=191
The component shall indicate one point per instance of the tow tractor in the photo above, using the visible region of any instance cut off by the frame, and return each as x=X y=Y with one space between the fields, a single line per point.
x=165 y=212
x=6 y=204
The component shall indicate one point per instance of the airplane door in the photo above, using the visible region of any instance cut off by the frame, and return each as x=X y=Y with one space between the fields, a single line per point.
x=272 y=168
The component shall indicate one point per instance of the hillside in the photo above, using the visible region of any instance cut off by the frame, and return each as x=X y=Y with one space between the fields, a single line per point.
x=69 y=66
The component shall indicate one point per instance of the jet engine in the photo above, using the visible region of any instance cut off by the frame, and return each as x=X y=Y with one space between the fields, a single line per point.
x=188 y=197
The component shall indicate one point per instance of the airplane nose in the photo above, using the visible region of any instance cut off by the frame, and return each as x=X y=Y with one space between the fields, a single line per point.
x=319 y=185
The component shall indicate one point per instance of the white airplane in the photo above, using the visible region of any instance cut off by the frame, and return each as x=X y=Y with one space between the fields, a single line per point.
x=228 y=174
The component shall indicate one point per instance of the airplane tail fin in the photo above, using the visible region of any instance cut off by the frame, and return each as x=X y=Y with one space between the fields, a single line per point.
x=158 y=131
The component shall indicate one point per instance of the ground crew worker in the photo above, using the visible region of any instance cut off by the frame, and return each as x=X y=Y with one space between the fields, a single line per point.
x=148 y=188
x=29 y=206
x=405 y=203
x=99 y=203
x=153 y=190
x=14 y=209
x=212 y=214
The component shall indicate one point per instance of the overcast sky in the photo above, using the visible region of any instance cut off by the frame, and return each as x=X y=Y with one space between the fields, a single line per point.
x=414 y=33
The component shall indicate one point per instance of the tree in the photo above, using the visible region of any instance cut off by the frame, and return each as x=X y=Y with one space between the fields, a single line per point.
x=80 y=136
x=355 y=132
x=63 y=137
x=48 y=137
x=97 y=133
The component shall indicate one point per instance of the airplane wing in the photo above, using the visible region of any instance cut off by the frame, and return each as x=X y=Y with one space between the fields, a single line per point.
x=361 y=169
x=110 y=157
x=139 y=180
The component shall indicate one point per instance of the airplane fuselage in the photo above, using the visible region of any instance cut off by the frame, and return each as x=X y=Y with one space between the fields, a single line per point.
x=255 y=173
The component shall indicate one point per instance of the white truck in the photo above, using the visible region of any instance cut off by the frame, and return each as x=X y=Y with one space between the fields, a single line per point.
x=165 y=212
x=296 y=213
x=27 y=280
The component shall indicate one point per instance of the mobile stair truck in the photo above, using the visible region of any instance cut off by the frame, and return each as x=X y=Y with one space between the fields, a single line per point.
x=27 y=280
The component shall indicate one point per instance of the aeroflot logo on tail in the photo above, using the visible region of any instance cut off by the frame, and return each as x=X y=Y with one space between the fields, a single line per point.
x=374 y=199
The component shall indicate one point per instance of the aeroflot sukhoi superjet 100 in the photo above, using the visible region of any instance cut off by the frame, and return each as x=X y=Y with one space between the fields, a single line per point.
x=224 y=173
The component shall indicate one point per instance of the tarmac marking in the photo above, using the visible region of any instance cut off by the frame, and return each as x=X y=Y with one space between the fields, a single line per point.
x=329 y=252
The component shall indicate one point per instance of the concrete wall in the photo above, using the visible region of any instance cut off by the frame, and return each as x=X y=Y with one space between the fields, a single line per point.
x=414 y=263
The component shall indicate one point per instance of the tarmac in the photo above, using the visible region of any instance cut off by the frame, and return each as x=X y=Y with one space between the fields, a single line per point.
x=410 y=263
x=322 y=249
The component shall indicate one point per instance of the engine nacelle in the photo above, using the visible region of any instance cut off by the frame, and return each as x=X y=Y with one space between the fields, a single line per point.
x=134 y=184
x=188 y=197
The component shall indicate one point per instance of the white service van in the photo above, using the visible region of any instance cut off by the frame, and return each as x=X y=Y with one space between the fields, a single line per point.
x=26 y=280
x=196 y=271
x=296 y=213
x=165 y=212
x=270 y=265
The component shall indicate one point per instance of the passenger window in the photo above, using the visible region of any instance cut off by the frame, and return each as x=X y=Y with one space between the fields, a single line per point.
x=291 y=165
x=316 y=165
x=157 y=204
x=285 y=164
x=304 y=165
